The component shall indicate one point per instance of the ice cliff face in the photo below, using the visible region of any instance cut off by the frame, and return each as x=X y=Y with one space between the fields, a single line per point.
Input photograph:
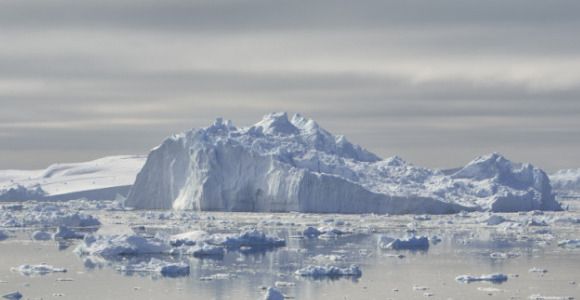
x=282 y=164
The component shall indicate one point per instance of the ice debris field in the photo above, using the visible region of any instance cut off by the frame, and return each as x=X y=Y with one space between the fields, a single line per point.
x=193 y=255
x=284 y=209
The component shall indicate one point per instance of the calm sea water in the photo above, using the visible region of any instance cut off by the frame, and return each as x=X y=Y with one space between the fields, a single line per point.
x=418 y=275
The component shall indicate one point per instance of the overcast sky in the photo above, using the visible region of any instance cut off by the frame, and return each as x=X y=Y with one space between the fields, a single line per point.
x=436 y=82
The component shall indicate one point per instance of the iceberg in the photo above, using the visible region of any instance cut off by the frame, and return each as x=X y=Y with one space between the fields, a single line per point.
x=283 y=164
x=101 y=179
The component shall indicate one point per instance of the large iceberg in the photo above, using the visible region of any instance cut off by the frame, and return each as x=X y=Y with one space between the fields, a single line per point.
x=292 y=164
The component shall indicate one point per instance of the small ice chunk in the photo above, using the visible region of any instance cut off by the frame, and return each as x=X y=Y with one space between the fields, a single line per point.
x=384 y=241
x=3 y=235
x=12 y=296
x=311 y=232
x=188 y=238
x=329 y=271
x=41 y=269
x=569 y=243
x=41 y=236
x=273 y=294
x=249 y=239
x=110 y=246
x=284 y=284
x=495 y=220
x=412 y=243
x=206 y=250
x=540 y=297
x=537 y=270
x=167 y=269
x=422 y=217
x=66 y=233
x=495 y=278
x=503 y=255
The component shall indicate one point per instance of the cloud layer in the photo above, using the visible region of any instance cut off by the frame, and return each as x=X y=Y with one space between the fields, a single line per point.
x=437 y=82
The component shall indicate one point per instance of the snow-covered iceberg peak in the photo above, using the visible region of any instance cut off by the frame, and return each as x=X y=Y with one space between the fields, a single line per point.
x=293 y=164
x=277 y=124
x=507 y=181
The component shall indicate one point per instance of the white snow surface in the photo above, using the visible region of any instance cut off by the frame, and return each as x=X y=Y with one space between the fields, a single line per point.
x=285 y=164
x=99 y=179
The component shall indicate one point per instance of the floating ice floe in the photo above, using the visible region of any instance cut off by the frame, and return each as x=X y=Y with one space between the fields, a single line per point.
x=569 y=243
x=329 y=232
x=41 y=269
x=540 y=297
x=494 y=278
x=273 y=294
x=110 y=246
x=205 y=250
x=41 y=236
x=495 y=220
x=46 y=215
x=65 y=233
x=329 y=271
x=164 y=268
x=383 y=241
x=537 y=270
x=248 y=239
x=311 y=232
x=3 y=235
x=188 y=238
x=412 y=243
x=12 y=296
x=503 y=255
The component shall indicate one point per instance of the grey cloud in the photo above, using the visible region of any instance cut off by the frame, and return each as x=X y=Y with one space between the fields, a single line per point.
x=437 y=82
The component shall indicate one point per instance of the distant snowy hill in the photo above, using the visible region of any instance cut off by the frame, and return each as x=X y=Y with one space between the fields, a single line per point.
x=566 y=181
x=282 y=164
x=96 y=180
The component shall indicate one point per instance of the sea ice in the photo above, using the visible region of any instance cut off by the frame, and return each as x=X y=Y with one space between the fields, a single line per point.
x=12 y=296
x=205 y=250
x=494 y=278
x=251 y=238
x=188 y=238
x=412 y=243
x=569 y=243
x=164 y=268
x=329 y=271
x=273 y=294
x=111 y=246
x=311 y=232
x=40 y=269
x=65 y=233
x=41 y=236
